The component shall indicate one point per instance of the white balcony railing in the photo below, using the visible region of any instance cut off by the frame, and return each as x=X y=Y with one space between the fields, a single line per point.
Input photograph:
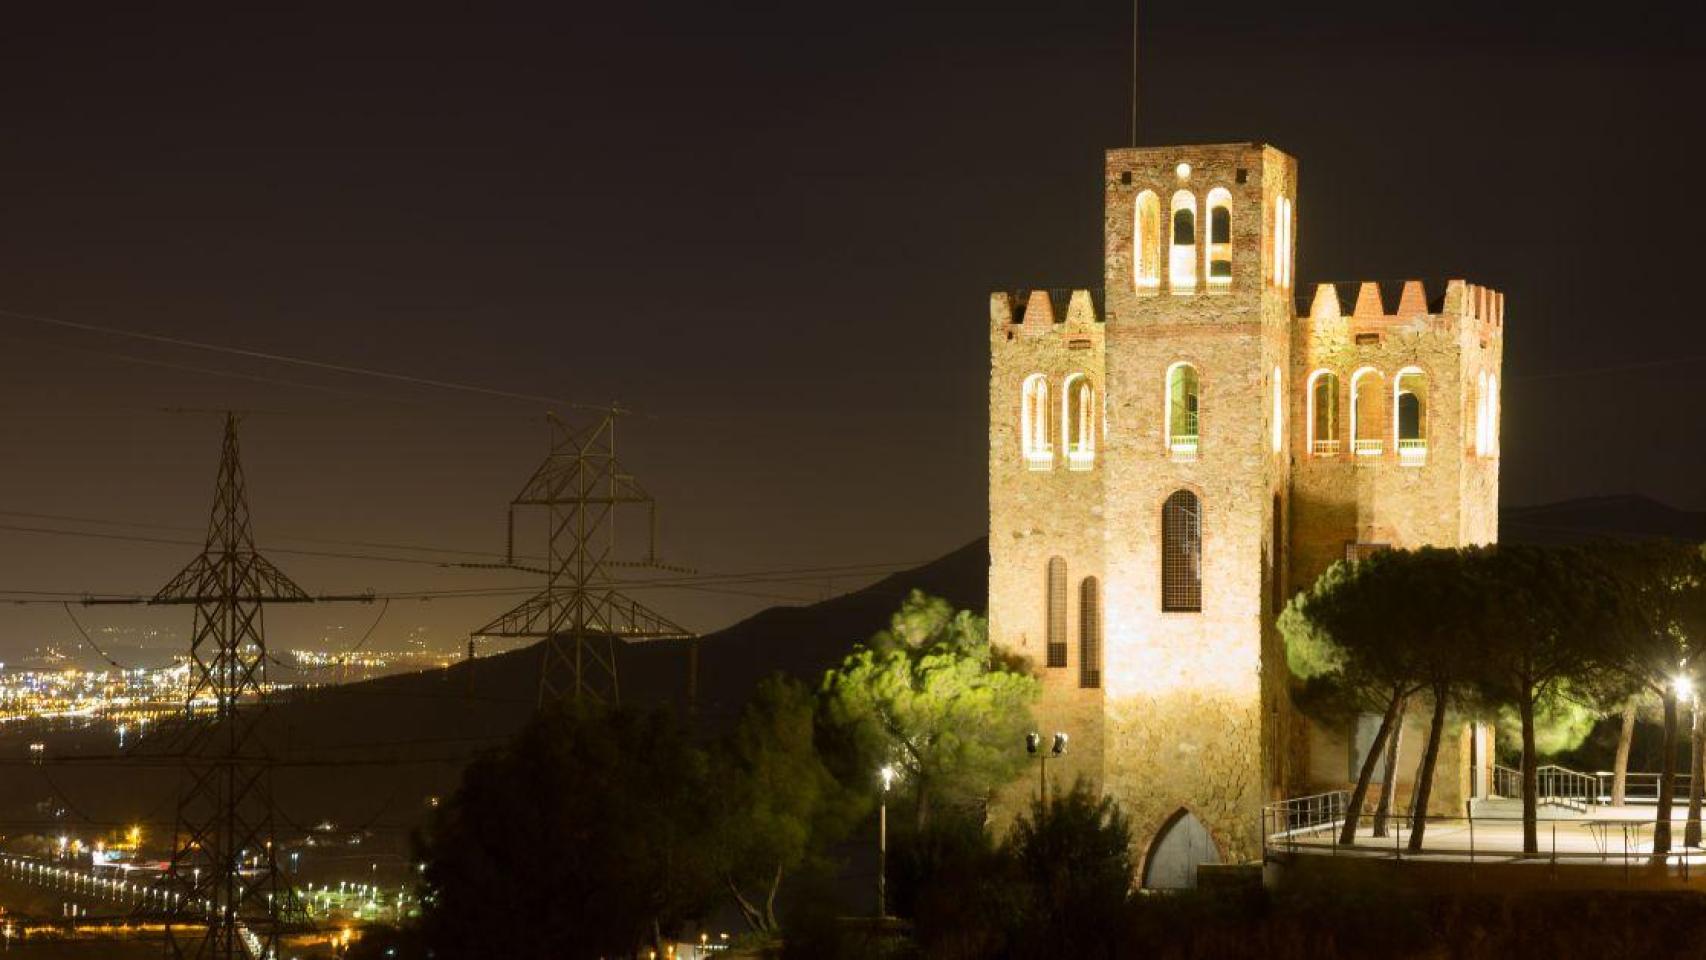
x=1368 y=448
x=1040 y=460
x=1325 y=448
x=1080 y=459
x=1413 y=453
x=1183 y=447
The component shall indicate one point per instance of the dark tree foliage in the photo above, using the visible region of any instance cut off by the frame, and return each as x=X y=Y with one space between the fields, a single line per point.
x=584 y=837
x=1072 y=858
x=1663 y=638
x=775 y=805
x=1552 y=617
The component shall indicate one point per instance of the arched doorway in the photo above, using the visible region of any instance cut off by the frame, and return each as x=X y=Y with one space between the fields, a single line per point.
x=1182 y=844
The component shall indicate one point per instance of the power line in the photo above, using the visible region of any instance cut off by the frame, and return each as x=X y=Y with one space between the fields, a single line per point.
x=299 y=361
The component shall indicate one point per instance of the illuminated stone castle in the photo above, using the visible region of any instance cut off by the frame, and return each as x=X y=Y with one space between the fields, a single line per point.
x=1172 y=456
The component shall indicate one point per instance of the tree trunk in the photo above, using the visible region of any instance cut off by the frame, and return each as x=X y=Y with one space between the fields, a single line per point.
x=1530 y=779
x=1425 y=780
x=1359 y=793
x=770 y=923
x=1620 y=769
x=1697 y=751
x=1667 y=779
x=748 y=912
x=1383 y=809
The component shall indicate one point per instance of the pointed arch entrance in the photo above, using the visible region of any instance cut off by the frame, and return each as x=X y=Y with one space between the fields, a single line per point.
x=1180 y=846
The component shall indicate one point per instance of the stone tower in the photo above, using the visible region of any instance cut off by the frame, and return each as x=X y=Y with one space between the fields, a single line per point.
x=1172 y=456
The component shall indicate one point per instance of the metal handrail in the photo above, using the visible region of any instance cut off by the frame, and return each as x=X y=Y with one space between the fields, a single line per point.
x=1570 y=841
x=1555 y=785
x=1640 y=787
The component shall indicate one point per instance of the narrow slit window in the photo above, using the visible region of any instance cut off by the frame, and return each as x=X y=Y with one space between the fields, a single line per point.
x=1089 y=634
x=1056 y=608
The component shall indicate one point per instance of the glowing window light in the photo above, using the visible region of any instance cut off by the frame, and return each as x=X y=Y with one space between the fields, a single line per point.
x=1482 y=417
x=1077 y=423
x=1493 y=415
x=1410 y=415
x=1321 y=419
x=1182 y=411
x=1039 y=454
x=1219 y=236
x=1182 y=263
x=1365 y=428
x=1146 y=240
x=1282 y=242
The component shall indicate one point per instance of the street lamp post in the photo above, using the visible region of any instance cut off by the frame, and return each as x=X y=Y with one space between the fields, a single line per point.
x=1034 y=747
x=883 y=843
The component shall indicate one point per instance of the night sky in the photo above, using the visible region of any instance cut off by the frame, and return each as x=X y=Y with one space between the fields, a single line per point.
x=770 y=230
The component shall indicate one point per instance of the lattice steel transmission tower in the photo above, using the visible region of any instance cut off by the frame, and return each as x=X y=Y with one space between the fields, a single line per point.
x=224 y=869
x=580 y=615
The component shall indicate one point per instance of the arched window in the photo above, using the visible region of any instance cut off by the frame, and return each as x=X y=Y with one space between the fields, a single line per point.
x=1181 y=552
x=1483 y=417
x=1493 y=415
x=1089 y=634
x=1033 y=423
x=1056 y=607
x=1219 y=236
x=1182 y=416
x=1323 y=413
x=1410 y=415
x=1078 y=422
x=1282 y=242
x=1278 y=424
x=1182 y=262
x=1365 y=413
x=1146 y=241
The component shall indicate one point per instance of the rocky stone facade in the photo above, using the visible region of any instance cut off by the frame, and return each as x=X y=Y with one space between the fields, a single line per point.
x=1203 y=376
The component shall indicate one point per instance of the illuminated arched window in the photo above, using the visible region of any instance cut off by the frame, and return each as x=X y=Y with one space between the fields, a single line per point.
x=1365 y=413
x=1410 y=415
x=1493 y=415
x=1323 y=413
x=1033 y=426
x=1089 y=634
x=1146 y=241
x=1182 y=414
x=1182 y=262
x=1283 y=247
x=1219 y=236
x=1483 y=417
x=1181 y=552
x=1078 y=422
x=1278 y=423
x=1056 y=607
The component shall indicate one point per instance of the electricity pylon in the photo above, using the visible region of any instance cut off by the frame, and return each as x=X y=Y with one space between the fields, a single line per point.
x=224 y=872
x=580 y=615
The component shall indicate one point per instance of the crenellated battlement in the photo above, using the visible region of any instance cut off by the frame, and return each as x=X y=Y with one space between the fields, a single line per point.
x=1043 y=310
x=1410 y=299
